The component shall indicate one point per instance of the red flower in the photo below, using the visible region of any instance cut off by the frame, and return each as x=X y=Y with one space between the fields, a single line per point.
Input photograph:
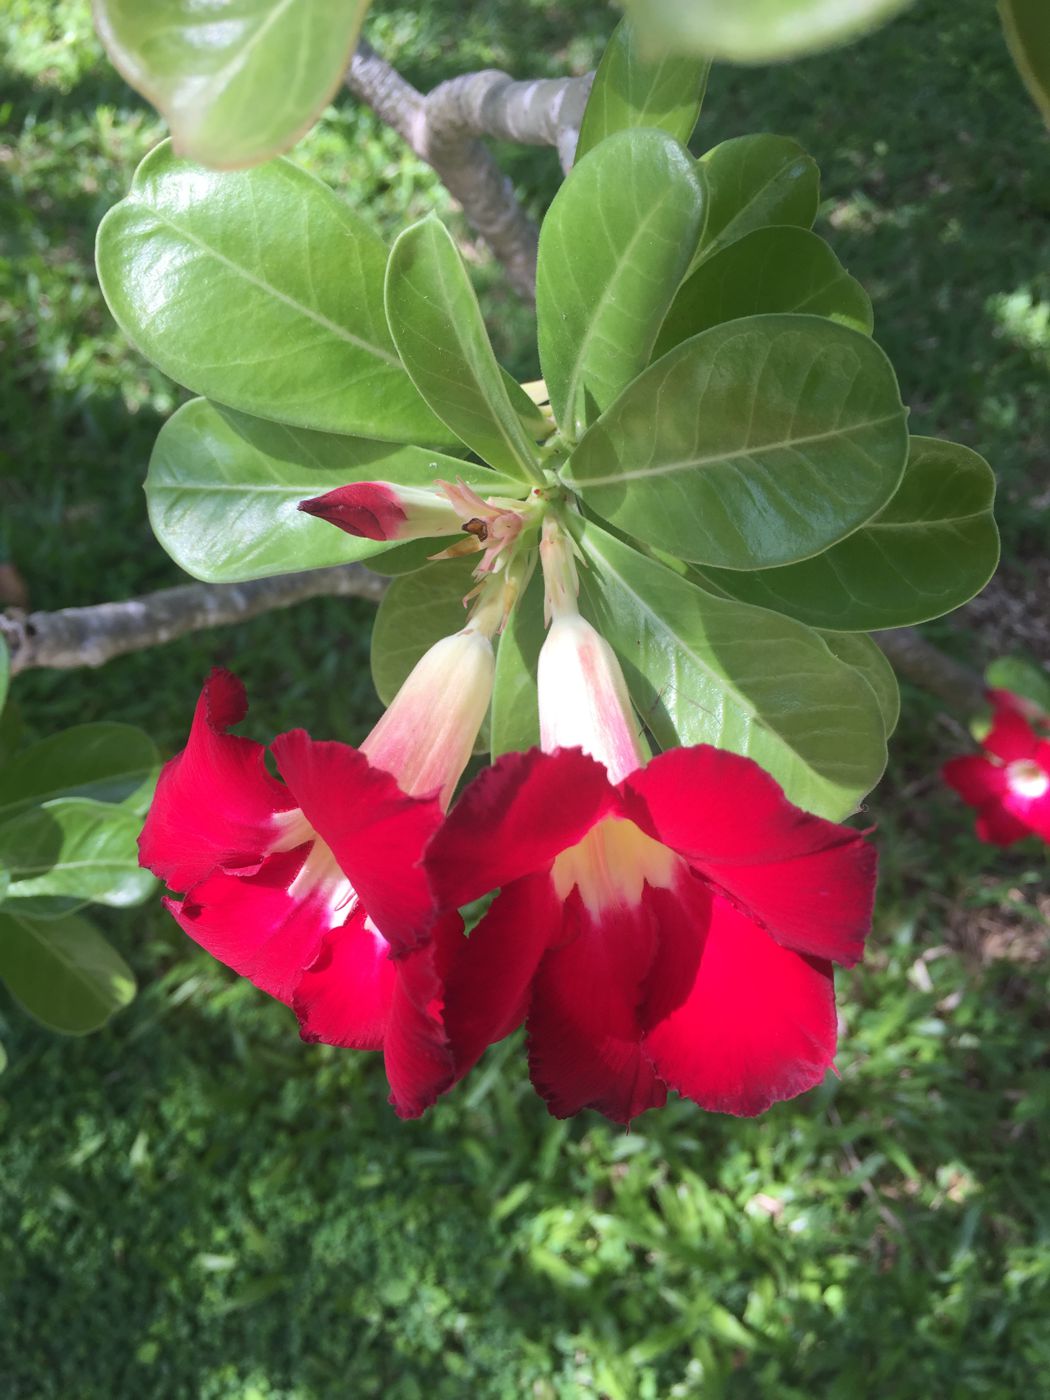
x=1010 y=783
x=312 y=887
x=675 y=929
x=669 y=924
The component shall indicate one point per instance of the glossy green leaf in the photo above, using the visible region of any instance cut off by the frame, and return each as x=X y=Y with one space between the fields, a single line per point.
x=930 y=549
x=761 y=31
x=777 y=269
x=237 y=83
x=63 y=972
x=417 y=610
x=515 y=706
x=74 y=851
x=112 y=763
x=636 y=87
x=1022 y=678
x=867 y=658
x=703 y=670
x=224 y=488
x=263 y=291
x=614 y=247
x=438 y=329
x=756 y=182
x=756 y=443
x=1026 y=24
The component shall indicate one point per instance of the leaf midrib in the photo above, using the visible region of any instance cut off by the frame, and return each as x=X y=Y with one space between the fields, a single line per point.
x=692 y=463
x=238 y=270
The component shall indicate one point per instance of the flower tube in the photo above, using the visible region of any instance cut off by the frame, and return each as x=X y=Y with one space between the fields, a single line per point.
x=670 y=923
x=311 y=887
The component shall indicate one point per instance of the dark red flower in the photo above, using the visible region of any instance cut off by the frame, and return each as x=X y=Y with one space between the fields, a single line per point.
x=1009 y=784
x=312 y=887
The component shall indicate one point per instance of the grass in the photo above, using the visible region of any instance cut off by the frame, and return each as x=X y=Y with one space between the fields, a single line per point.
x=193 y=1203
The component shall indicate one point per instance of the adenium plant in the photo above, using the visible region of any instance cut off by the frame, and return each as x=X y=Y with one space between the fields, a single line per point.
x=669 y=550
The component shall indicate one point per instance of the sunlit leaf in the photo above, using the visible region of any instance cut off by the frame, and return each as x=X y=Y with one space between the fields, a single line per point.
x=755 y=182
x=239 y=81
x=437 y=327
x=929 y=550
x=756 y=443
x=73 y=851
x=866 y=657
x=614 y=247
x=63 y=972
x=106 y=762
x=704 y=670
x=771 y=269
x=636 y=87
x=760 y=31
x=261 y=290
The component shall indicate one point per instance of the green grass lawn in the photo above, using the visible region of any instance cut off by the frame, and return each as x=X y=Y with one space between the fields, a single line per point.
x=194 y=1204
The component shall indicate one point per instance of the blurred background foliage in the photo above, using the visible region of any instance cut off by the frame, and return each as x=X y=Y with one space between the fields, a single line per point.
x=192 y=1203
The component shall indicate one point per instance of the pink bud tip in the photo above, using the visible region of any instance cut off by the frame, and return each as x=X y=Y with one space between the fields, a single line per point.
x=365 y=509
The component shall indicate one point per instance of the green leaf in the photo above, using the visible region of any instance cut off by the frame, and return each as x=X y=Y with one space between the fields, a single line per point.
x=867 y=658
x=113 y=763
x=1026 y=24
x=768 y=270
x=515 y=706
x=5 y=672
x=417 y=610
x=754 y=182
x=1021 y=677
x=930 y=549
x=637 y=87
x=761 y=31
x=63 y=972
x=703 y=670
x=263 y=291
x=754 y=444
x=223 y=491
x=74 y=851
x=438 y=329
x=614 y=247
x=236 y=84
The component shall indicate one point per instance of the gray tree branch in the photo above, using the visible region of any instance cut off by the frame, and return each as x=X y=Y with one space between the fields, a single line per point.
x=445 y=127
x=74 y=637
x=926 y=666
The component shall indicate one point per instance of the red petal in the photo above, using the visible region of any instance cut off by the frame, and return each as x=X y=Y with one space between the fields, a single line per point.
x=1011 y=736
x=811 y=882
x=975 y=779
x=215 y=801
x=489 y=976
x=419 y=1062
x=375 y=832
x=254 y=925
x=366 y=509
x=343 y=997
x=998 y=827
x=514 y=819
x=355 y=994
x=737 y=1022
x=585 y=1038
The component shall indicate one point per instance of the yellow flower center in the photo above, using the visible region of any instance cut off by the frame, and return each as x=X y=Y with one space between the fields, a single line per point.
x=611 y=865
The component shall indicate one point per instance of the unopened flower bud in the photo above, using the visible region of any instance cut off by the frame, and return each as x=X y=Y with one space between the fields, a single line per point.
x=427 y=735
x=377 y=510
